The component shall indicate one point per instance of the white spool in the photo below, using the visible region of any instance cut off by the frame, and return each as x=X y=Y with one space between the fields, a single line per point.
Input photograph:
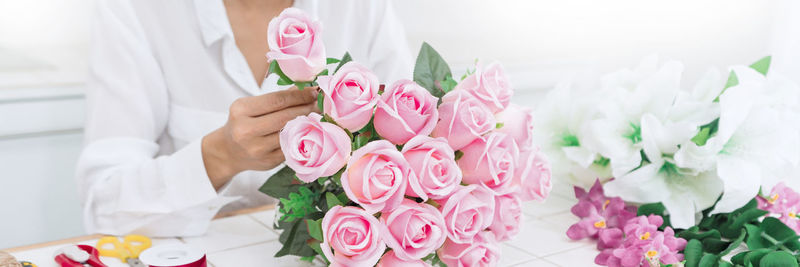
x=172 y=255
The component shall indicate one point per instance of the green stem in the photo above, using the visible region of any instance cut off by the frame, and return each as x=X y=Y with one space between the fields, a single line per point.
x=775 y=242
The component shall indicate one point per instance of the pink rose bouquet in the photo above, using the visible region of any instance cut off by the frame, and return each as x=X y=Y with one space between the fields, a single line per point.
x=423 y=172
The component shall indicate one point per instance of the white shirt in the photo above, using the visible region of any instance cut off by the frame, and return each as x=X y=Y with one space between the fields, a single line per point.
x=163 y=75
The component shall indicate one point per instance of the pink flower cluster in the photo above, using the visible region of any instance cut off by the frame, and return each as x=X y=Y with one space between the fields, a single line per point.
x=411 y=193
x=784 y=203
x=622 y=238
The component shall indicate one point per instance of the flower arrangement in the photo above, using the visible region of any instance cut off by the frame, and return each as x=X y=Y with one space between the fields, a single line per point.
x=417 y=173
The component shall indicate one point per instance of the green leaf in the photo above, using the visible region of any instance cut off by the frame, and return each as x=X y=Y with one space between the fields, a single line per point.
x=346 y=58
x=733 y=80
x=294 y=241
x=693 y=253
x=459 y=154
x=448 y=84
x=651 y=208
x=499 y=125
x=762 y=65
x=323 y=72
x=708 y=260
x=320 y=101
x=332 y=200
x=280 y=184
x=315 y=246
x=315 y=228
x=274 y=67
x=754 y=257
x=283 y=81
x=430 y=68
x=331 y=60
x=778 y=259
x=735 y=243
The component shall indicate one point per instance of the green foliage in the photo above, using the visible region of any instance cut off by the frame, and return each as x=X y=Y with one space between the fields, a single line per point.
x=459 y=154
x=331 y=60
x=298 y=205
x=635 y=134
x=274 y=67
x=345 y=58
x=321 y=101
x=315 y=228
x=762 y=65
x=448 y=84
x=431 y=70
x=568 y=140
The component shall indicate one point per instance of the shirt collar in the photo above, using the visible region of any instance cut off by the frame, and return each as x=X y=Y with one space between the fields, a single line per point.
x=213 y=20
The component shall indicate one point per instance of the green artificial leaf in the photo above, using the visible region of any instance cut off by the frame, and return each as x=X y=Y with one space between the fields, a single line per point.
x=753 y=257
x=651 y=208
x=320 y=101
x=708 y=260
x=346 y=58
x=294 y=241
x=722 y=263
x=323 y=72
x=739 y=219
x=331 y=60
x=274 y=67
x=280 y=184
x=499 y=125
x=784 y=237
x=448 y=84
x=714 y=245
x=733 y=80
x=778 y=259
x=754 y=239
x=298 y=205
x=738 y=259
x=735 y=243
x=315 y=228
x=459 y=154
x=430 y=68
x=332 y=200
x=315 y=246
x=762 y=65
x=693 y=253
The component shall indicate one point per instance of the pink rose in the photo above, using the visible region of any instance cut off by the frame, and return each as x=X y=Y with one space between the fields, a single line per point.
x=491 y=162
x=490 y=85
x=350 y=95
x=462 y=119
x=405 y=110
x=467 y=212
x=507 y=216
x=390 y=260
x=375 y=177
x=294 y=42
x=353 y=234
x=413 y=230
x=484 y=251
x=533 y=176
x=433 y=162
x=518 y=123
x=314 y=149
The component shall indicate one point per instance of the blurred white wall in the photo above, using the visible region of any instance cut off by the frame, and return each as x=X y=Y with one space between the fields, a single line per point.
x=42 y=68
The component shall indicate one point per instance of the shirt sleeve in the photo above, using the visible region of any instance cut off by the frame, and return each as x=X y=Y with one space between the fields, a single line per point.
x=125 y=185
x=388 y=51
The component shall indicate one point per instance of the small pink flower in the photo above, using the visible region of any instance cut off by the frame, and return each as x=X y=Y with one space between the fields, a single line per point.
x=467 y=212
x=314 y=149
x=491 y=162
x=518 y=123
x=483 y=251
x=405 y=110
x=490 y=85
x=413 y=230
x=294 y=42
x=533 y=176
x=433 y=162
x=507 y=217
x=597 y=213
x=784 y=203
x=661 y=249
x=354 y=236
x=350 y=95
x=375 y=176
x=462 y=119
x=391 y=260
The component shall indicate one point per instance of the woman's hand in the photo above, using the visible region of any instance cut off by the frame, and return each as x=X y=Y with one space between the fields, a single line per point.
x=249 y=140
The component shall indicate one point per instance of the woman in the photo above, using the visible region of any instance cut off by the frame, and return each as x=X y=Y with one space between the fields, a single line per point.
x=163 y=154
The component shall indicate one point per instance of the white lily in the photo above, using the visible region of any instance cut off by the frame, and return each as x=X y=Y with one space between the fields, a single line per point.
x=559 y=126
x=757 y=139
x=632 y=93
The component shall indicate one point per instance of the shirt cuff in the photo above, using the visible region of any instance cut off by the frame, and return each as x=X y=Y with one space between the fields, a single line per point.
x=188 y=176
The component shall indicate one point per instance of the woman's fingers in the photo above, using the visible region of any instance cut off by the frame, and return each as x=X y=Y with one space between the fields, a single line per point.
x=255 y=106
x=274 y=122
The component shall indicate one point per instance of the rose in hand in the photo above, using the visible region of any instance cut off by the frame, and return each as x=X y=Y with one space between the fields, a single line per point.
x=376 y=175
x=293 y=39
x=314 y=149
x=433 y=162
x=350 y=95
x=413 y=230
x=405 y=110
x=491 y=162
x=462 y=119
x=467 y=212
x=489 y=85
x=354 y=235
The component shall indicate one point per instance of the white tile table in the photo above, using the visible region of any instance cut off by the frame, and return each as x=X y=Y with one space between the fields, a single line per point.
x=248 y=240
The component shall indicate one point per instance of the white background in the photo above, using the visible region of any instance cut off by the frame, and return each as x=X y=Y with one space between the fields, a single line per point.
x=43 y=48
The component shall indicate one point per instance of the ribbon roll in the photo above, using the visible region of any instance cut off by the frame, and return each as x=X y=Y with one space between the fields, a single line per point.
x=174 y=255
